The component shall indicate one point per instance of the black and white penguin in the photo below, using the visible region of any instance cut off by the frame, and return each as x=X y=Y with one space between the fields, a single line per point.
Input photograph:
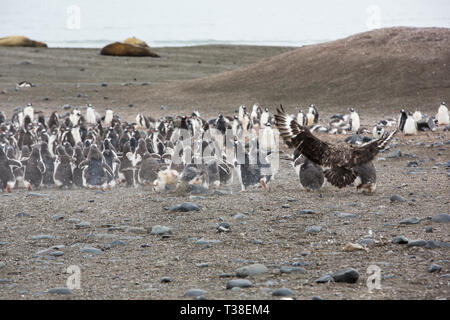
x=34 y=169
x=7 y=178
x=49 y=162
x=63 y=175
x=247 y=168
x=29 y=111
x=112 y=160
x=354 y=120
x=265 y=118
x=301 y=118
x=442 y=116
x=310 y=174
x=366 y=177
x=77 y=171
x=129 y=165
x=410 y=127
x=312 y=117
x=109 y=115
x=91 y=116
x=242 y=110
x=377 y=132
x=95 y=169
x=402 y=120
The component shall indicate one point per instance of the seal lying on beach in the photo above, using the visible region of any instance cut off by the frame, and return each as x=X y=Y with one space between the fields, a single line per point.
x=20 y=41
x=127 y=50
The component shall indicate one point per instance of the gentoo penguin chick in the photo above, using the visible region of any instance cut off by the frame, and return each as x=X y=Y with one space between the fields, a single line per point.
x=366 y=177
x=265 y=118
x=95 y=169
x=354 y=120
x=34 y=169
x=7 y=178
x=442 y=115
x=78 y=172
x=241 y=112
x=377 y=132
x=410 y=125
x=167 y=180
x=310 y=174
x=129 y=165
x=108 y=117
x=112 y=160
x=63 y=175
x=29 y=111
x=49 y=162
x=417 y=115
x=301 y=118
x=91 y=117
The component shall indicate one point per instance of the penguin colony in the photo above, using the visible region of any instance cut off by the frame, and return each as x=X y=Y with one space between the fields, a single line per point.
x=169 y=153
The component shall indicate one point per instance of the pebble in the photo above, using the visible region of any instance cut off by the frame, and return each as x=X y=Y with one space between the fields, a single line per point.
x=429 y=230
x=441 y=218
x=256 y=241
x=366 y=241
x=239 y=216
x=436 y=244
x=325 y=279
x=185 y=207
x=223 y=227
x=417 y=243
x=285 y=206
x=116 y=243
x=56 y=253
x=397 y=198
x=104 y=84
x=316 y=298
x=394 y=155
x=434 y=268
x=412 y=220
x=23 y=214
x=42 y=236
x=138 y=230
x=57 y=217
x=348 y=275
x=240 y=283
x=194 y=293
x=83 y=225
x=2 y=265
x=225 y=275
x=165 y=279
x=91 y=250
x=61 y=290
x=251 y=270
x=400 y=240
x=307 y=211
x=283 y=292
x=344 y=215
x=314 y=229
x=286 y=269
x=158 y=230
x=73 y=220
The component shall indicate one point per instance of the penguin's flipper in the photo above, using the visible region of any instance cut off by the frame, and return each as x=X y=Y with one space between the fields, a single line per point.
x=14 y=163
x=108 y=168
x=83 y=164
x=41 y=167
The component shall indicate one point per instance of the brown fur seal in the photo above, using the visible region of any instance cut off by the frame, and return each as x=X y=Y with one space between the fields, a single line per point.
x=136 y=42
x=20 y=41
x=127 y=50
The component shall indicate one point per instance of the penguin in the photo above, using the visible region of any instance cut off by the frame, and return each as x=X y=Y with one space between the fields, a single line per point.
x=241 y=112
x=75 y=116
x=193 y=176
x=255 y=115
x=410 y=127
x=19 y=171
x=49 y=162
x=63 y=175
x=7 y=178
x=34 y=169
x=129 y=165
x=417 y=115
x=310 y=174
x=354 y=120
x=53 y=121
x=366 y=177
x=2 y=117
x=167 y=180
x=265 y=118
x=301 y=118
x=112 y=160
x=312 y=117
x=29 y=111
x=247 y=167
x=108 y=117
x=442 y=115
x=377 y=132
x=95 y=169
x=402 y=120
x=77 y=172
x=91 y=116
x=236 y=126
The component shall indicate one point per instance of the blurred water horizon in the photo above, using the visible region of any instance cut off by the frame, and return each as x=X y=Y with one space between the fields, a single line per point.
x=93 y=24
